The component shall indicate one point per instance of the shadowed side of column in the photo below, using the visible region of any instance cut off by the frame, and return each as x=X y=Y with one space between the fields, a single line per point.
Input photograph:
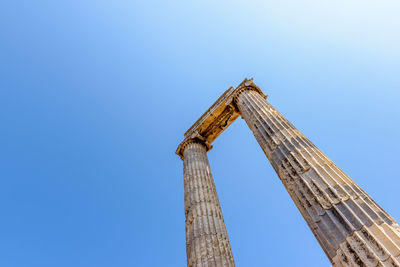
x=351 y=228
x=207 y=242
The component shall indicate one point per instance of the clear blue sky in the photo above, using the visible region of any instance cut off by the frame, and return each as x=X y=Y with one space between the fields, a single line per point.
x=95 y=97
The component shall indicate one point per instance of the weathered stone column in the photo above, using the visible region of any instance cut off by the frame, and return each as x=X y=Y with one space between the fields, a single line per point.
x=351 y=228
x=207 y=242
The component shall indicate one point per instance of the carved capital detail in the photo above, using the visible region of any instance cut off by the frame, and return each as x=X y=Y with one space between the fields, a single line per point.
x=247 y=84
x=196 y=138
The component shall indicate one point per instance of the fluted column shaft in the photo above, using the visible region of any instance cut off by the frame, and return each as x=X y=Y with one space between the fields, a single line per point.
x=350 y=227
x=207 y=242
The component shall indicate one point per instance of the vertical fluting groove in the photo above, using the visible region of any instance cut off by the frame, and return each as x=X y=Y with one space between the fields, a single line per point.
x=207 y=242
x=350 y=226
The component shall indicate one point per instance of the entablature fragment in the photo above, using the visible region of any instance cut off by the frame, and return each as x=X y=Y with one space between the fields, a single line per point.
x=218 y=117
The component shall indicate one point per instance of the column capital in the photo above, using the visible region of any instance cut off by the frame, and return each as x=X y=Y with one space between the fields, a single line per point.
x=247 y=84
x=195 y=138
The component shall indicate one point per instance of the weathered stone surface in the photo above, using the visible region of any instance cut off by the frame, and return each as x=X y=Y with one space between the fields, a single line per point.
x=218 y=117
x=207 y=242
x=350 y=227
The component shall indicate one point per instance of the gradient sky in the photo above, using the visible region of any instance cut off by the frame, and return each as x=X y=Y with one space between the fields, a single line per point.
x=95 y=97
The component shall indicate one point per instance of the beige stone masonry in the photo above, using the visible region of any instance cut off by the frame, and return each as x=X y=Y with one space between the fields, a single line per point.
x=207 y=242
x=218 y=117
x=351 y=228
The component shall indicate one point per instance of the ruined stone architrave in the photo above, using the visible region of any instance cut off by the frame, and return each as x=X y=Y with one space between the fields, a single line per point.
x=351 y=228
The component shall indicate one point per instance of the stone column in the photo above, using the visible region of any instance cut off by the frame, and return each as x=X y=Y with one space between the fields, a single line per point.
x=207 y=242
x=351 y=228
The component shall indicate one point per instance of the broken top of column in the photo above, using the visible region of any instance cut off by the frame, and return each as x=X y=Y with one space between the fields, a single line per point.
x=218 y=117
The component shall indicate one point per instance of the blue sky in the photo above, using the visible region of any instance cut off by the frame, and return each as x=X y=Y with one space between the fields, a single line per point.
x=95 y=97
